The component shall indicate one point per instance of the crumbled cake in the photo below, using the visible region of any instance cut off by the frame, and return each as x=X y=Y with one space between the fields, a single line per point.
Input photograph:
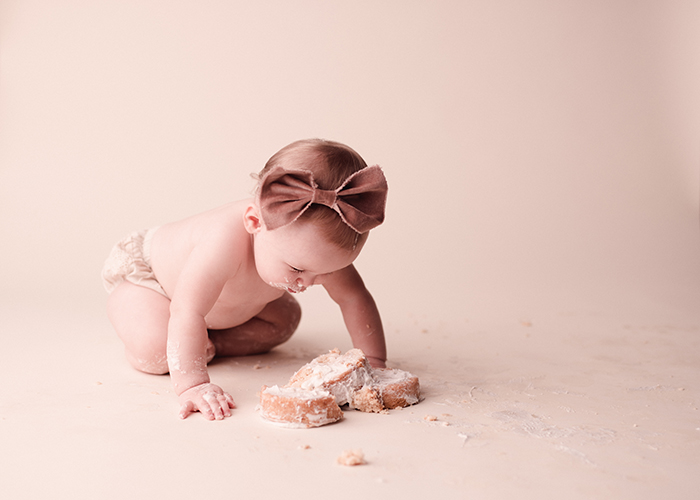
x=299 y=407
x=352 y=457
x=316 y=391
x=398 y=388
x=339 y=374
x=368 y=399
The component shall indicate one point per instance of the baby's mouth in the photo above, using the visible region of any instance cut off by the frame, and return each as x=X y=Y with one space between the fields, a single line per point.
x=288 y=288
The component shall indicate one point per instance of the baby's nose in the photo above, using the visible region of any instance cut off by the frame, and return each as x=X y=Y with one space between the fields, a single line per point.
x=305 y=281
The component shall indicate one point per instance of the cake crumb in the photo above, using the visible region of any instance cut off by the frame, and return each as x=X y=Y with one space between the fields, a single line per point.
x=430 y=418
x=368 y=399
x=352 y=457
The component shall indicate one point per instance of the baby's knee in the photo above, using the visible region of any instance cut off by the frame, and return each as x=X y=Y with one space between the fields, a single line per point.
x=294 y=312
x=288 y=315
x=154 y=364
x=280 y=320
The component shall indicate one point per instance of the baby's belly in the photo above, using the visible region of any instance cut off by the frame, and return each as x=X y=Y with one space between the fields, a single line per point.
x=227 y=314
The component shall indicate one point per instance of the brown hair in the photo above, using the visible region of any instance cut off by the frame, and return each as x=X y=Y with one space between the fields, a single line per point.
x=331 y=163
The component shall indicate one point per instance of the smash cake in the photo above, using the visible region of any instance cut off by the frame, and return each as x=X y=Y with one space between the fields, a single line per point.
x=314 y=394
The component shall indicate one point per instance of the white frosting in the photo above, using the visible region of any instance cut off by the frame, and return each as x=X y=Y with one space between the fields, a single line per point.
x=303 y=416
x=173 y=353
x=210 y=397
x=325 y=371
x=289 y=285
x=358 y=379
x=296 y=392
x=391 y=376
x=340 y=377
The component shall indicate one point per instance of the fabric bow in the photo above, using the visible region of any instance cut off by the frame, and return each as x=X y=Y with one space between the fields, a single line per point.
x=360 y=201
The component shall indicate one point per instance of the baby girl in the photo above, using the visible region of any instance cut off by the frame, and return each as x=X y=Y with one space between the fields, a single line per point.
x=221 y=283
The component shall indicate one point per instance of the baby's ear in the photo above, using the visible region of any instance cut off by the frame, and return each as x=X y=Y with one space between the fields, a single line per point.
x=251 y=219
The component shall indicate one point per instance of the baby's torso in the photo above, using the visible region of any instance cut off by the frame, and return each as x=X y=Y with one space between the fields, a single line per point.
x=239 y=301
x=244 y=294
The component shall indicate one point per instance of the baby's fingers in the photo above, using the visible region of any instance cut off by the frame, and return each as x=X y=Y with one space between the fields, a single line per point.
x=229 y=400
x=186 y=409
x=226 y=402
x=215 y=408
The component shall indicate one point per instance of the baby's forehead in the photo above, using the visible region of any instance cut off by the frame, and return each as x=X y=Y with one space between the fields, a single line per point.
x=315 y=231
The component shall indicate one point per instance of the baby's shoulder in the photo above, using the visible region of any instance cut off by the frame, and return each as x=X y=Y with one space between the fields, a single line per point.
x=217 y=230
x=221 y=226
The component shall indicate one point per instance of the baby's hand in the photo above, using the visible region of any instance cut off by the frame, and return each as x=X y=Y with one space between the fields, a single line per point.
x=209 y=399
x=376 y=362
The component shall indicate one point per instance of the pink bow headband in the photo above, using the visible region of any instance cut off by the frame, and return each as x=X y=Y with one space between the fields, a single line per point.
x=360 y=201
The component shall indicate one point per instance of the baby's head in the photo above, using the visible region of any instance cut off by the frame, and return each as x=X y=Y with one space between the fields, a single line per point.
x=322 y=190
x=331 y=163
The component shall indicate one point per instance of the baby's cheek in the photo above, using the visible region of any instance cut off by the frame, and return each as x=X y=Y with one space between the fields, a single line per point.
x=265 y=274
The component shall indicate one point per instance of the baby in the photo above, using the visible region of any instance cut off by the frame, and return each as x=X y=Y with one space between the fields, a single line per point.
x=221 y=283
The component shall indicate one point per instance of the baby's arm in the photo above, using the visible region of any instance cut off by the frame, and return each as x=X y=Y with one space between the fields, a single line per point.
x=360 y=313
x=198 y=287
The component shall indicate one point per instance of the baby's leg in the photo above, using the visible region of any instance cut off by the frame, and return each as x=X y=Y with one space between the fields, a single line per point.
x=140 y=317
x=274 y=325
